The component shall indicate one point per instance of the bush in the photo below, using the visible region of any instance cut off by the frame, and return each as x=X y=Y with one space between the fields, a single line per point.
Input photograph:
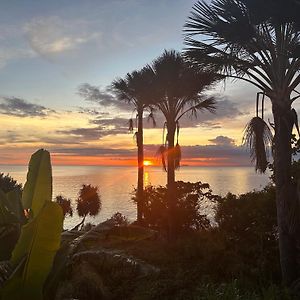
x=191 y=199
x=249 y=216
x=7 y=184
x=249 y=224
x=65 y=204
x=119 y=219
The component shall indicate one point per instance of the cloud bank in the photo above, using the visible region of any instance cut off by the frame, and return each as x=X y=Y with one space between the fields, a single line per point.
x=13 y=106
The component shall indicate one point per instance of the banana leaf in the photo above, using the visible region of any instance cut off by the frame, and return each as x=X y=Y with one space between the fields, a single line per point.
x=6 y=216
x=34 y=253
x=10 y=222
x=14 y=205
x=38 y=187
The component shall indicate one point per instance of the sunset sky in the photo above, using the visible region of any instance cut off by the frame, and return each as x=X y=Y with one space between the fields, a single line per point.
x=49 y=48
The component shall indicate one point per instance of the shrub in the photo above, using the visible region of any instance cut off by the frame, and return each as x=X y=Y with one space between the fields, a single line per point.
x=248 y=216
x=7 y=183
x=65 y=204
x=249 y=224
x=191 y=199
x=119 y=219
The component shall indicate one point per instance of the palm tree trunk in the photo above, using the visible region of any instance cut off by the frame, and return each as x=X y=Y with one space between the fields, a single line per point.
x=171 y=192
x=286 y=196
x=140 y=185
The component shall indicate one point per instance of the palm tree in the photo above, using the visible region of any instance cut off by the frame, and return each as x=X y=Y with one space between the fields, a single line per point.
x=178 y=91
x=65 y=204
x=259 y=42
x=88 y=202
x=134 y=89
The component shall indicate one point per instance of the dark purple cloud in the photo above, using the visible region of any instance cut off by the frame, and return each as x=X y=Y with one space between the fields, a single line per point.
x=13 y=106
x=92 y=151
x=222 y=140
x=90 y=134
x=103 y=97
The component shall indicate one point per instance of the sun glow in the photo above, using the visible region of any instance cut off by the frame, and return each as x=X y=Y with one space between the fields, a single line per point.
x=147 y=163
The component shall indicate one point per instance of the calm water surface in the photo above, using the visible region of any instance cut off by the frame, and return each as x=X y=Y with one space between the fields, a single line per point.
x=116 y=183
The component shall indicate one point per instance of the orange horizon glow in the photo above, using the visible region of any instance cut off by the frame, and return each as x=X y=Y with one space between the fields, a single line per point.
x=72 y=160
x=149 y=161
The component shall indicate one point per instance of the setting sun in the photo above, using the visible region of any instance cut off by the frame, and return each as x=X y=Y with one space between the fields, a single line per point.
x=148 y=163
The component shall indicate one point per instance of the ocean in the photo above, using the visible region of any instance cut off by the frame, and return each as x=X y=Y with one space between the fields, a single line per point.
x=116 y=184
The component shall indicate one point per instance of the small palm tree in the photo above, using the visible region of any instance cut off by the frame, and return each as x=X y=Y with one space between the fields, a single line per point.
x=179 y=91
x=65 y=205
x=88 y=202
x=135 y=89
x=259 y=42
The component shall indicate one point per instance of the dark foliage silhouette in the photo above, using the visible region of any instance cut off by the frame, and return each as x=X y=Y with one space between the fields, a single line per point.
x=259 y=42
x=178 y=91
x=65 y=205
x=135 y=89
x=88 y=202
x=7 y=183
x=191 y=199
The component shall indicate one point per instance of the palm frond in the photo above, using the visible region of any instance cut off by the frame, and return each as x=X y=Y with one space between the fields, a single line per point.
x=295 y=117
x=208 y=104
x=152 y=118
x=240 y=39
x=135 y=137
x=130 y=125
x=177 y=156
x=164 y=136
x=161 y=152
x=258 y=137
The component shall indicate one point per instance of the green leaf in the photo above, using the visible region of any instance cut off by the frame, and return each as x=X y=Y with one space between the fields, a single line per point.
x=38 y=243
x=6 y=217
x=14 y=205
x=38 y=187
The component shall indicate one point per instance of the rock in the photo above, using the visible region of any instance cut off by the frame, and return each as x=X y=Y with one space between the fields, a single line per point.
x=80 y=272
x=93 y=274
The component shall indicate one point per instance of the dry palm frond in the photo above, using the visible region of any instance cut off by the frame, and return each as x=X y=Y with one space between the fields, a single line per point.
x=130 y=125
x=295 y=117
x=177 y=149
x=177 y=156
x=152 y=119
x=135 y=137
x=165 y=135
x=162 y=151
x=258 y=136
x=177 y=131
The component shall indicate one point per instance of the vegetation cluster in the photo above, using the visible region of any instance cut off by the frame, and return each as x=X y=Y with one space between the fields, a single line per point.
x=175 y=250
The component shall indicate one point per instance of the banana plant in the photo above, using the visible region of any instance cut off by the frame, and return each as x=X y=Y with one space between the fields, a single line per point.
x=11 y=219
x=39 y=240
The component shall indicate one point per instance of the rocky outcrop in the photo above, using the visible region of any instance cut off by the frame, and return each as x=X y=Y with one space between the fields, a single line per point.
x=83 y=269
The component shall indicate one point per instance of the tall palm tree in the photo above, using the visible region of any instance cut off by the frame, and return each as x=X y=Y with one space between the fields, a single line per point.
x=178 y=91
x=135 y=89
x=259 y=42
